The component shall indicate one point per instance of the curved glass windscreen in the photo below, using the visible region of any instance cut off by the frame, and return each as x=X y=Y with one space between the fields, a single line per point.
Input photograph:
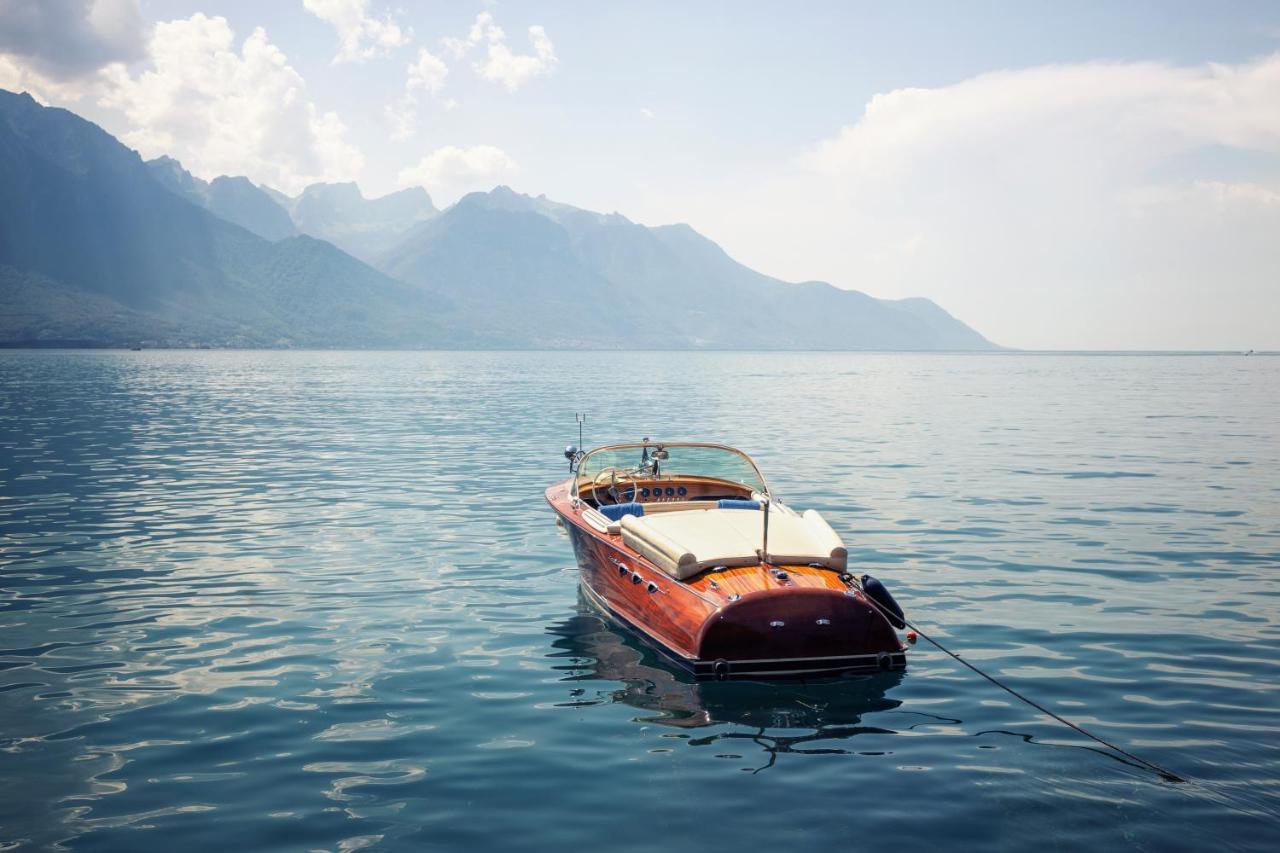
x=687 y=460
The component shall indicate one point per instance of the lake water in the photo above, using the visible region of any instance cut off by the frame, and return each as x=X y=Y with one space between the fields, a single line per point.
x=288 y=600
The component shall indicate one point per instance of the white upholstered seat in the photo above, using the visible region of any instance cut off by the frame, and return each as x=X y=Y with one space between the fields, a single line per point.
x=685 y=543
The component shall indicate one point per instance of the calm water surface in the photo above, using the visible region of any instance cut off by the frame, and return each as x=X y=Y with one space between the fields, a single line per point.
x=315 y=600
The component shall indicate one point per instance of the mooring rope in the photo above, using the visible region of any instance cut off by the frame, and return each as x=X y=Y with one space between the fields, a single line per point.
x=1167 y=775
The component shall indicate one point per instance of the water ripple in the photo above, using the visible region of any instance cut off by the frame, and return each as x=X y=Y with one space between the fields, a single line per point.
x=314 y=600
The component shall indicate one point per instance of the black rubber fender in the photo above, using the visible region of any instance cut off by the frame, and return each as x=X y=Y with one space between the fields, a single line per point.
x=876 y=590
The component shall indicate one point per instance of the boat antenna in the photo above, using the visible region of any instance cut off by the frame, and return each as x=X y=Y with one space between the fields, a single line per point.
x=574 y=452
x=1164 y=773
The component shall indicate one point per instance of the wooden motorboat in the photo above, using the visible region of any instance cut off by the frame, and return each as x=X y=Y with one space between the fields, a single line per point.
x=684 y=543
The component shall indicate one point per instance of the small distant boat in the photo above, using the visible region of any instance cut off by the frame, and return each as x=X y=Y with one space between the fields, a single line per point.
x=685 y=543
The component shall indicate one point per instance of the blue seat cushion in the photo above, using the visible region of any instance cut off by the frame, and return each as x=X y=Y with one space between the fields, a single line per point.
x=615 y=512
x=731 y=503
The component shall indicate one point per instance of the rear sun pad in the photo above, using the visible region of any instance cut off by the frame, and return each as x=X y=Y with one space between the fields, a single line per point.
x=683 y=544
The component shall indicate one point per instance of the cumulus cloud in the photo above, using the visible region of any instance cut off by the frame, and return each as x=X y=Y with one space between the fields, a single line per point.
x=18 y=76
x=425 y=76
x=360 y=35
x=1114 y=115
x=450 y=171
x=482 y=29
x=60 y=40
x=513 y=70
x=426 y=73
x=226 y=111
x=500 y=64
x=1085 y=205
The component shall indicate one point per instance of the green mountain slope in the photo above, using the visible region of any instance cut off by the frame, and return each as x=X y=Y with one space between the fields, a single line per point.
x=237 y=200
x=83 y=218
x=98 y=247
x=570 y=277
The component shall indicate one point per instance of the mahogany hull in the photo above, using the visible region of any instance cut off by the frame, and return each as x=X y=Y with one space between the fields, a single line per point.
x=755 y=622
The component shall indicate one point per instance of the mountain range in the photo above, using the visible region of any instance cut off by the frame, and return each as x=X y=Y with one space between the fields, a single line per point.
x=99 y=247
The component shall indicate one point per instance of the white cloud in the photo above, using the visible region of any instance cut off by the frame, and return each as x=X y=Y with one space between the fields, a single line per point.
x=18 y=76
x=645 y=112
x=402 y=118
x=426 y=74
x=500 y=64
x=450 y=171
x=1056 y=206
x=61 y=40
x=223 y=111
x=514 y=70
x=482 y=29
x=360 y=35
x=1117 y=115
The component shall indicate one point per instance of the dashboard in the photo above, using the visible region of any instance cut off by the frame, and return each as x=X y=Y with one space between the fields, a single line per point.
x=663 y=493
x=675 y=489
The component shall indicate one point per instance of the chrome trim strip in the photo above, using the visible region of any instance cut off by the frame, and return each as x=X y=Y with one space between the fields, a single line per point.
x=873 y=655
x=733 y=673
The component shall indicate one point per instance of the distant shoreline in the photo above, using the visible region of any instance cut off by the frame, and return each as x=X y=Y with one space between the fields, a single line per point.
x=63 y=346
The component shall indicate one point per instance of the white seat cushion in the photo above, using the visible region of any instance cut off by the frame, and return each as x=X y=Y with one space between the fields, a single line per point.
x=807 y=539
x=685 y=543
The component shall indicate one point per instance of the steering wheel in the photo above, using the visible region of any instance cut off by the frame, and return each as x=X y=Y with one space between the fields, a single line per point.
x=613 y=475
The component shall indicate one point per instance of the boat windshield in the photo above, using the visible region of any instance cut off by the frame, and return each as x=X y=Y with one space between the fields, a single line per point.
x=715 y=461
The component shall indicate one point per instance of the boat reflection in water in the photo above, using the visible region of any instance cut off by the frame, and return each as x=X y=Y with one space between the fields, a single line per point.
x=593 y=648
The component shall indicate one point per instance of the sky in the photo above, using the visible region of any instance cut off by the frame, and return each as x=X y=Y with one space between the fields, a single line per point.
x=1057 y=175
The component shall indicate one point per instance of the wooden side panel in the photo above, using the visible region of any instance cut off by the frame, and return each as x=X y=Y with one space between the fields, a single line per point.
x=670 y=612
